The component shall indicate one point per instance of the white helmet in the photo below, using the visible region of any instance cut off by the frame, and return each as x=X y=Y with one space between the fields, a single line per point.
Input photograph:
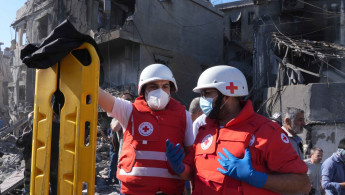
x=155 y=72
x=227 y=79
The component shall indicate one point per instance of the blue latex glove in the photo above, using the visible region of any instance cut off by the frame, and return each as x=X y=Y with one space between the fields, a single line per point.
x=241 y=169
x=175 y=156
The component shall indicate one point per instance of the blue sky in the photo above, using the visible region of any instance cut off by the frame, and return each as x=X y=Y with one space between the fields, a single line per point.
x=8 y=15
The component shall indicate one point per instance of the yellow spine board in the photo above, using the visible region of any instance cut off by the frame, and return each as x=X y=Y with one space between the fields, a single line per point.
x=45 y=86
x=79 y=84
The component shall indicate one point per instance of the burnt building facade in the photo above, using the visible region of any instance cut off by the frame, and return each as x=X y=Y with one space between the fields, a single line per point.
x=131 y=34
x=292 y=52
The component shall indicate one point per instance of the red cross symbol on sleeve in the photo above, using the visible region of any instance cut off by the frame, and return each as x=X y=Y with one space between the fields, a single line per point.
x=206 y=142
x=146 y=129
x=285 y=138
x=232 y=88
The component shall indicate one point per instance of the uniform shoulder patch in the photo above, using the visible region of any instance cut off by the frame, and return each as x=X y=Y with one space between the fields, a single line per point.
x=206 y=142
x=285 y=138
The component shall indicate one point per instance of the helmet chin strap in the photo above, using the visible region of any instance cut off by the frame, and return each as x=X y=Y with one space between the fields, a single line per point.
x=223 y=104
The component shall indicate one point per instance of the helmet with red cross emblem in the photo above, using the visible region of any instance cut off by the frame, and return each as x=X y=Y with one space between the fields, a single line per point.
x=155 y=72
x=227 y=79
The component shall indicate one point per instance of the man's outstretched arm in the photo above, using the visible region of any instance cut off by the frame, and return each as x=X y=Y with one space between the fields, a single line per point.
x=105 y=100
x=288 y=183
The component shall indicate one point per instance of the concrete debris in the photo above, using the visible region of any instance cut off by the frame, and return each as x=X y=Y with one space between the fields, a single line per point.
x=12 y=167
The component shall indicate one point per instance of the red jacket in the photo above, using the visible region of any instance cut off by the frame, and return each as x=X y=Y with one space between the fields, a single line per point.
x=270 y=150
x=143 y=167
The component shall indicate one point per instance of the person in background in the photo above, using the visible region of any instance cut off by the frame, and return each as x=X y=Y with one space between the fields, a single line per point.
x=113 y=153
x=194 y=108
x=195 y=111
x=25 y=141
x=333 y=171
x=293 y=123
x=237 y=151
x=147 y=123
x=314 y=170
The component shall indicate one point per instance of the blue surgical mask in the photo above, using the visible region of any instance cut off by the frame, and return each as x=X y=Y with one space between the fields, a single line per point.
x=206 y=105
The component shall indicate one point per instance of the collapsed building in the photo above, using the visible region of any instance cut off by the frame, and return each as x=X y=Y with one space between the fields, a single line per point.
x=292 y=52
x=130 y=34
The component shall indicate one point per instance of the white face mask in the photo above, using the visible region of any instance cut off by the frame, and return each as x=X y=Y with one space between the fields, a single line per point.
x=157 y=99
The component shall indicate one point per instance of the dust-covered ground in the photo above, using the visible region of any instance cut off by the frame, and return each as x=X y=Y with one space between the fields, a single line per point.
x=12 y=163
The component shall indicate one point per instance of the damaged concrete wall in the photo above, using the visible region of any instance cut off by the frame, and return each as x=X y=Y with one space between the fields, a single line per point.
x=121 y=64
x=34 y=21
x=170 y=26
x=324 y=108
x=186 y=70
x=5 y=77
x=322 y=98
x=133 y=35
x=327 y=136
x=250 y=26
x=163 y=32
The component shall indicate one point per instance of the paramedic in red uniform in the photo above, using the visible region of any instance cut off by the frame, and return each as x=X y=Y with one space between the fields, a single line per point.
x=153 y=118
x=237 y=151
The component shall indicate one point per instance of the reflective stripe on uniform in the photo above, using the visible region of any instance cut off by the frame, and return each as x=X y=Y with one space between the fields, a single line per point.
x=150 y=155
x=149 y=172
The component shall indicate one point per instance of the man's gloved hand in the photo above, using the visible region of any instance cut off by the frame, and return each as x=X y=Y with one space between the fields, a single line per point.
x=241 y=169
x=175 y=156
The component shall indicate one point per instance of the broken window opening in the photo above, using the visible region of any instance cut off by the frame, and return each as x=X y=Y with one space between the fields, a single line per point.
x=24 y=40
x=250 y=18
x=42 y=27
x=304 y=61
x=111 y=14
x=100 y=16
x=296 y=68
x=21 y=94
x=21 y=34
x=235 y=30
x=161 y=59
x=121 y=10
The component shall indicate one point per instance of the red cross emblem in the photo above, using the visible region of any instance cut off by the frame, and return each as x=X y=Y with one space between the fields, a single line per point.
x=284 y=138
x=206 y=142
x=145 y=129
x=232 y=88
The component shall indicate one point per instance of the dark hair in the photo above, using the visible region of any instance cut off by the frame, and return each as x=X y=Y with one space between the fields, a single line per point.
x=172 y=88
x=342 y=144
x=127 y=93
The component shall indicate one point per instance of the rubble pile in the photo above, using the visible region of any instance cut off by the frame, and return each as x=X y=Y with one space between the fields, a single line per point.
x=12 y=163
